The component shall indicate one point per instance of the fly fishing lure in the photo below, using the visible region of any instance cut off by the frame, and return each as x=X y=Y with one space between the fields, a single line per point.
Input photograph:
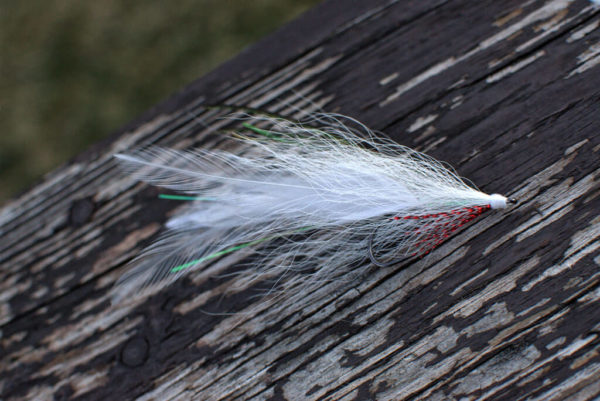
x=314 y=197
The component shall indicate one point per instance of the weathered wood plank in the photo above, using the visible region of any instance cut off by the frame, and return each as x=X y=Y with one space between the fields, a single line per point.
x=507 y=92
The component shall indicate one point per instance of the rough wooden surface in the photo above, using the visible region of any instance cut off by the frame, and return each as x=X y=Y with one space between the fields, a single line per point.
x=508 y=92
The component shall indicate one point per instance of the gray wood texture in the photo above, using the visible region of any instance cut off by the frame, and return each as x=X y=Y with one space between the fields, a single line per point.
x=508 y=92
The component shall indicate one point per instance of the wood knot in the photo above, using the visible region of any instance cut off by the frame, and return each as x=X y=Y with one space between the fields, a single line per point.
x=135 y=352
x=81 y=211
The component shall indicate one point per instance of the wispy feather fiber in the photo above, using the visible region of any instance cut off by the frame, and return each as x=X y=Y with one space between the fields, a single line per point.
x=308 y=197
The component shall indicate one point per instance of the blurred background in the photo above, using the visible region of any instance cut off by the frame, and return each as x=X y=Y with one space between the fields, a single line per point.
x=72 y=71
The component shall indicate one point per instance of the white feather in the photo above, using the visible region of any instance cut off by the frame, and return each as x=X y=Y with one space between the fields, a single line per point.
x=333 y=186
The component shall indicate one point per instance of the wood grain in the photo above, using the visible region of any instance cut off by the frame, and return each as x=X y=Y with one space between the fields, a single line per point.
x=507 y=92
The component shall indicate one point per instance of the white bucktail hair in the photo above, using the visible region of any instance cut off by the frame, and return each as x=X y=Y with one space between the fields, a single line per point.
x=312 y=197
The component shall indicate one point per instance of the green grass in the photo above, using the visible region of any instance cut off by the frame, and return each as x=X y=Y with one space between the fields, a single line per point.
x=73 y=71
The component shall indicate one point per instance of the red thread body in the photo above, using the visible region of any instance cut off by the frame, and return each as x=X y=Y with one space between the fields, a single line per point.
x=441 y=227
